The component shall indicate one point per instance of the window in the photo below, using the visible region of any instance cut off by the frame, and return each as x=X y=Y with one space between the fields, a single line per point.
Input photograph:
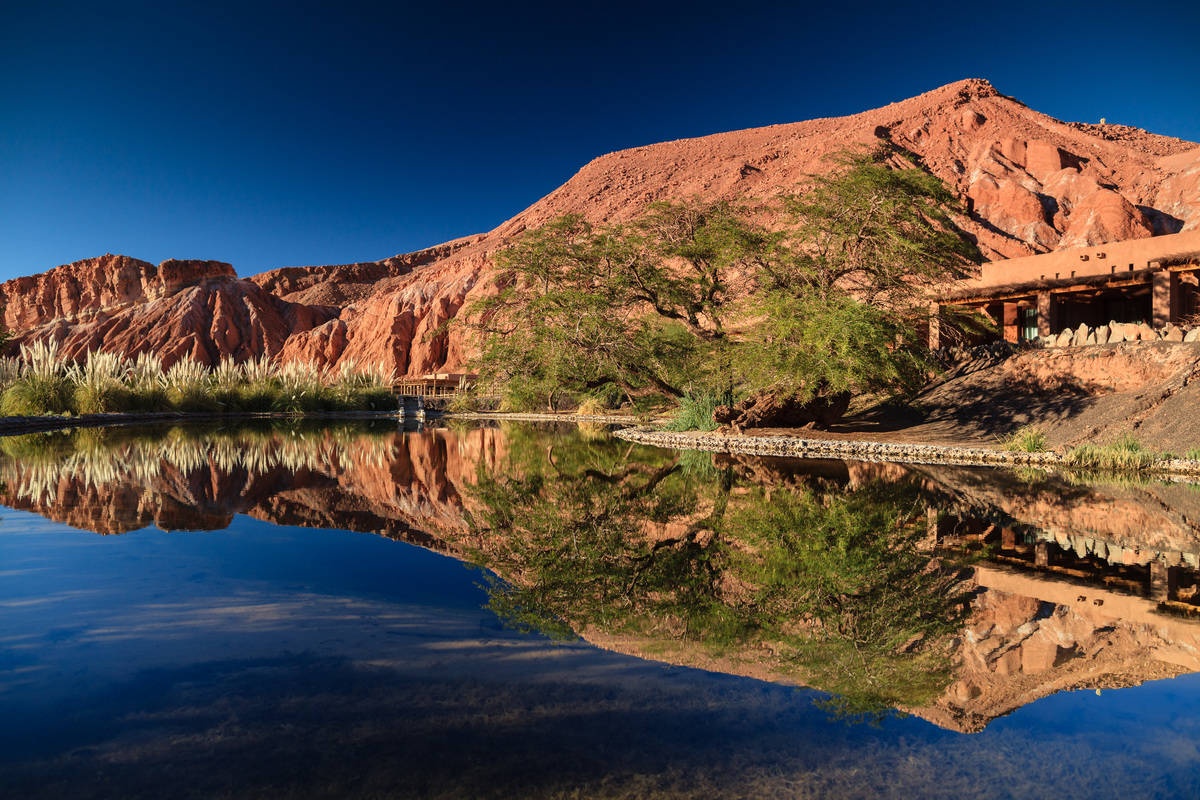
x=1029 y=324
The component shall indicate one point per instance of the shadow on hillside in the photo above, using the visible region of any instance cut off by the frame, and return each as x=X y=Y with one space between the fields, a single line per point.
x=976 y=410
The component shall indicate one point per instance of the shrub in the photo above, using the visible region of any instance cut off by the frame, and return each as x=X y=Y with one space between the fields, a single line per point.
x=40 y=382
x=34 y=395
x=463 y=403
x=696 y=411
x=1025 y=440
x=102 y=398
x=147 y=398
x=591 y=406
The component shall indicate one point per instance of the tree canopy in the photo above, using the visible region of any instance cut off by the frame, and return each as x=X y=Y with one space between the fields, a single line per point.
x=815 y=293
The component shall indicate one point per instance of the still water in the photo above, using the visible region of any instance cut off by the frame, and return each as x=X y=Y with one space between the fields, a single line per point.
x=353 y=610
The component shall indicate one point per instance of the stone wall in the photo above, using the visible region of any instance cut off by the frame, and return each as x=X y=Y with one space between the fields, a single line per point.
x=1117 y=332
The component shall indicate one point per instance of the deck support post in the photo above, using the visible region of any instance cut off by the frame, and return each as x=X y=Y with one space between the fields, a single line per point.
x=1047 y=322
x=1164 y=298
x=1163 y=580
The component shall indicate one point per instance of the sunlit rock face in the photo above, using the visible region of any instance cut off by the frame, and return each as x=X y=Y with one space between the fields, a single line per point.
x=99 y=284
x=1014 y=587
x=1030 y=184
x=177 y=310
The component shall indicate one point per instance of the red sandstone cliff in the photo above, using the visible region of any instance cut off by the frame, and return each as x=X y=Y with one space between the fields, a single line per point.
x=179 y=309
x=1031 y=184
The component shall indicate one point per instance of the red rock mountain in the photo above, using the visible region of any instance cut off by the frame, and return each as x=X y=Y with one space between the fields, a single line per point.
x=179 y=309
x=1031 y=184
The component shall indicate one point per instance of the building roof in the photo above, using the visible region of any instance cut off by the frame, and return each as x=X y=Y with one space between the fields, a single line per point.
x=1114 y=260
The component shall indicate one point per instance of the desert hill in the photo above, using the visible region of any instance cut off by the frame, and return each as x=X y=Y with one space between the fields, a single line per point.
x=1031 y=184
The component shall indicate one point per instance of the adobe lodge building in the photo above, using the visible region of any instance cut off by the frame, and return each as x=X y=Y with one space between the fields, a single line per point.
x=1152 y=280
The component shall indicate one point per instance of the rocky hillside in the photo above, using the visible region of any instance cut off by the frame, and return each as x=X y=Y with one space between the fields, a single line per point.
x=178 y=309
x=1031 y=184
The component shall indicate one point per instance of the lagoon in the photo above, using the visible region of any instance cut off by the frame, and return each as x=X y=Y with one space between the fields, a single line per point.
x=360 y=610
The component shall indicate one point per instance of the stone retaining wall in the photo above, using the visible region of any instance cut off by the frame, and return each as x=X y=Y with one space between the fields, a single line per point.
x=1117 y=332
x=607 y=419
x=851 y=450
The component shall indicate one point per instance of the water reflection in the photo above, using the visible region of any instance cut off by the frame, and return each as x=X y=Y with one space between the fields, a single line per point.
x=957 y=595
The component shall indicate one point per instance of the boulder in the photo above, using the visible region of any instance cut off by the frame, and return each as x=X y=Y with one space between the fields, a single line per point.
x=1192 y=336
x=1172 y=333
x=1064 y=338
x=1104 y=216
x=1102 y=334
x=1081 y=336
x=1146 y=334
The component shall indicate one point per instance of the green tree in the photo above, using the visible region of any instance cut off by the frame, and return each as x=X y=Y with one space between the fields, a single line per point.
x=624 y=311
x=699 y=299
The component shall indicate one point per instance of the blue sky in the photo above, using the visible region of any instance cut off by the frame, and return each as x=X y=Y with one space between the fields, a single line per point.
x=304 y=133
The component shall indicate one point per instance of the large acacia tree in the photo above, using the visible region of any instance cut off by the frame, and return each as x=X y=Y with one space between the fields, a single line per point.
x=700 y=298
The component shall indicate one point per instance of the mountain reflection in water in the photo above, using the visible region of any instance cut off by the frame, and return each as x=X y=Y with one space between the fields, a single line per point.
x=953 y=594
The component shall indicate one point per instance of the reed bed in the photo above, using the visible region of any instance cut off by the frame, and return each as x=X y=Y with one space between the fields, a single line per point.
x=39 y=381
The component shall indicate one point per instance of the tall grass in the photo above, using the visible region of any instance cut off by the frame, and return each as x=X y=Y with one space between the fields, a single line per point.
x=39 y=382
x=1025 y=440
x=1127 y=453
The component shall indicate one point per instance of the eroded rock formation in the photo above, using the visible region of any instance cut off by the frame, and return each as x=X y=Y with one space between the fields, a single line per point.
x=178 y=309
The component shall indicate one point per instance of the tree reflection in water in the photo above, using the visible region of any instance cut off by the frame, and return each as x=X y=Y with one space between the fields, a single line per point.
x=812 y=581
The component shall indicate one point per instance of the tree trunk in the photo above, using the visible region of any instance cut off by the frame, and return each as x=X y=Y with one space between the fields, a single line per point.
x=774 y=410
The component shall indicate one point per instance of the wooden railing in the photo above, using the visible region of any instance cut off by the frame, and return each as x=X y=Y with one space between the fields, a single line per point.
x=427 y=388
x=424 y=389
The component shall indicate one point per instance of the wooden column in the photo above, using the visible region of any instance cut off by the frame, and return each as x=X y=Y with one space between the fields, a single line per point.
x=1008 y=538
x=1041 y=554
x=935 y=326
x=1012 y=323
x=1164 y=298
x=1047 y=321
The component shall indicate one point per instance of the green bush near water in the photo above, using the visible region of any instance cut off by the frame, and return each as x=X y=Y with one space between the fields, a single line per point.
x=32 y=395
x=696 y=411
x=1025 y=440
x=1127 y=453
